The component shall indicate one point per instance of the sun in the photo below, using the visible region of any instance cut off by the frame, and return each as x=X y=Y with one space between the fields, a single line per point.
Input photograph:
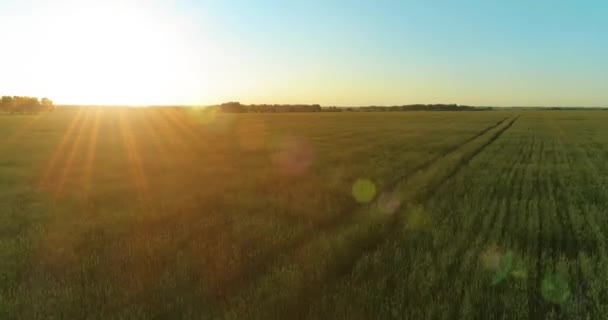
x=113 y=53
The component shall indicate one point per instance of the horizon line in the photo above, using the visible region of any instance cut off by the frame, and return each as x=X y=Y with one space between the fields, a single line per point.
x=322 y=105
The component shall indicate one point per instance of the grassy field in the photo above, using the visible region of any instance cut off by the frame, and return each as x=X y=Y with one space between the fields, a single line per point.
x=154 y=213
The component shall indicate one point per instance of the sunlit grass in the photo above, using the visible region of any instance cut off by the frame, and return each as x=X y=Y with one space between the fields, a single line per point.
x=168 y=212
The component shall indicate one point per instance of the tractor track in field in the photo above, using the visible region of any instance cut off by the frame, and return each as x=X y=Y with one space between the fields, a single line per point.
x=429 y=163
x=347 y=266
x=268 y=259
x=330 y=224
x=425 y=198
x=453 y=267
x=464 y=161
x=335 y=222
x=479 y=241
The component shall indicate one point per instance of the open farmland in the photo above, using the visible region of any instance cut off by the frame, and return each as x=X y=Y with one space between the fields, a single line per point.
x=185 y=213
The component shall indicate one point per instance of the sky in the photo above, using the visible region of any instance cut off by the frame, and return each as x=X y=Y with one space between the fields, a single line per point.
x=348 y=53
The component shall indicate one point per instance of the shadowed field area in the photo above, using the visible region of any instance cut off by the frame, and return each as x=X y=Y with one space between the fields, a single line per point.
x=140 y=213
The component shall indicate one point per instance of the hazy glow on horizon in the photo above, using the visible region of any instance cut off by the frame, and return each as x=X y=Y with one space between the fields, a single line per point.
x=156 y=52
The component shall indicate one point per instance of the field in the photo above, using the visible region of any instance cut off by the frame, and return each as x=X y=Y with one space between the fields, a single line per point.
x=158 y=213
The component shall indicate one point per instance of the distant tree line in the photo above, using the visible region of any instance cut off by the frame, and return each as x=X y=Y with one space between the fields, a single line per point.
x=237 y=107
x=424 y=107
x=18 y=104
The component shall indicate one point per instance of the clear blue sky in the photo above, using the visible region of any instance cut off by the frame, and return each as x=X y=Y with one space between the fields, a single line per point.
x=351 y=52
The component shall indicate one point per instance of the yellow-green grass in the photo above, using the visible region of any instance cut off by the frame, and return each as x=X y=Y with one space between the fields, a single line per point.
x=185 y=213
x=519 y=232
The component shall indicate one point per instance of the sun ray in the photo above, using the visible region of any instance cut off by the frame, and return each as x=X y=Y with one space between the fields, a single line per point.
x=135 y=163
x=173 y=134
x=68 y=164
x=199 y=141
x=92 y=150
x=196 y=139
x=158 y=139
x=60 y=150
x=186 y=128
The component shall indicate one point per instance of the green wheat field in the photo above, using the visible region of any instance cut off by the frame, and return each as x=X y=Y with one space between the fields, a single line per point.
x=187 y=213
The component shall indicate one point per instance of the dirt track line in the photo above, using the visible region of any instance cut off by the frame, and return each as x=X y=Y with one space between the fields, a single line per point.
x=338 y=270
x=446 y=152
x=482 y=237
x=394 y=223
x=496 y=225
x=334 y=222
x=463 y=162
x=477 y=241
x=425 y=197
x=327 y=226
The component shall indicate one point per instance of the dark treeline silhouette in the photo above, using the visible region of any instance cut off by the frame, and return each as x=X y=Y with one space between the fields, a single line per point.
x=17 y=104
x=238 y=107
x=424 y=107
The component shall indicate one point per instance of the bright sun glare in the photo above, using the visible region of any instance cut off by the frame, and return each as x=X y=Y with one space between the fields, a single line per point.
x=108 y=53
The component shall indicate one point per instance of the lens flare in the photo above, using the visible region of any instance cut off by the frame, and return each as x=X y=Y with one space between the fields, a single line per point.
x=417 y=218
x=364 y=190
x=490 y=258
x=555 y=289
x=294 y=156
x=389 y=202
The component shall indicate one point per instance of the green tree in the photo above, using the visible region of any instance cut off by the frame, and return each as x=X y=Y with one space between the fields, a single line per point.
x=6 y=104
x=21 y=104
x=47 y=104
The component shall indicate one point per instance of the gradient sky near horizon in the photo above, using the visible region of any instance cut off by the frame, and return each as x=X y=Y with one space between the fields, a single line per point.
x=549 y=53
